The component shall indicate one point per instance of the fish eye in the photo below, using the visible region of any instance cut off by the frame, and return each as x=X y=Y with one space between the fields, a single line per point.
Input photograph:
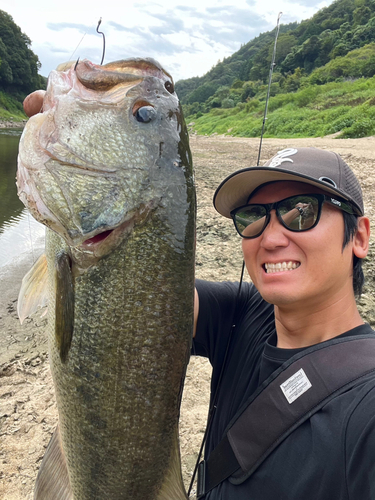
x=169 y=86
x=144 y=114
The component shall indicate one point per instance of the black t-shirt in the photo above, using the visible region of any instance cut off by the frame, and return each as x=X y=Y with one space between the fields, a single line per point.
x=331 y=456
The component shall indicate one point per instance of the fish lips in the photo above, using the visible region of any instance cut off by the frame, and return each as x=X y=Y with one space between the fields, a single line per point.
x=101 y=242
x=106 y=239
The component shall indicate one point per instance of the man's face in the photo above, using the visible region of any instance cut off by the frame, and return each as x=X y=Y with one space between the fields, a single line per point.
x=318 y=271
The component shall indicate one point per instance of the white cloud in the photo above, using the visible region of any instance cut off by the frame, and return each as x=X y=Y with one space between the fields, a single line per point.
x=188 y=39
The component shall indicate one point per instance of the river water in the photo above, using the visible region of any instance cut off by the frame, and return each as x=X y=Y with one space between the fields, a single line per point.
x=20 y=234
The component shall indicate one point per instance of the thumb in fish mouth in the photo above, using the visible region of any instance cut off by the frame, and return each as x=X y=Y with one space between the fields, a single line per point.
x=33 y=103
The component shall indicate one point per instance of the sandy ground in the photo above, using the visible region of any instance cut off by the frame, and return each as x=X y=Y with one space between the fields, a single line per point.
x=28 y=412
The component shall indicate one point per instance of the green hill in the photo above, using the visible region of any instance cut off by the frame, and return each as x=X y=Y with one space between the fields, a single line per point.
x=18 y=68
x=324 y=54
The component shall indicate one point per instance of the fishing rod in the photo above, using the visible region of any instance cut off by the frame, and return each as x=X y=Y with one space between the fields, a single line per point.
x=269 y=85
x=213 y=405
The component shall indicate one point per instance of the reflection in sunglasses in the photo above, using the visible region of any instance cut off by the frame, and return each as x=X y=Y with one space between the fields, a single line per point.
x=308 y=215
x=297 y=213
x=254 y=228
x=303 y=215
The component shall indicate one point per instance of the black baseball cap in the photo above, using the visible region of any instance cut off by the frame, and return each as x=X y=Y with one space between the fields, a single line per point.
x=318 y=167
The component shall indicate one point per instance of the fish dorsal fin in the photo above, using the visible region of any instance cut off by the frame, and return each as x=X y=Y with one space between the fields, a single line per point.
x=34 y=289
x=173 y=486
x=52 y=482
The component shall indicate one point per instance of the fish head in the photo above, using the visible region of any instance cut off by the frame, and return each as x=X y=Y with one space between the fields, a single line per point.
x=109 y=148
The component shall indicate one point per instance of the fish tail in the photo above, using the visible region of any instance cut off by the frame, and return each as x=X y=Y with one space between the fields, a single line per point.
x=53 y=482
x=173 y=486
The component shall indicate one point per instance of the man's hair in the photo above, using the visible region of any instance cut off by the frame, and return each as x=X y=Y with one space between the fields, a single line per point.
x=350 y=228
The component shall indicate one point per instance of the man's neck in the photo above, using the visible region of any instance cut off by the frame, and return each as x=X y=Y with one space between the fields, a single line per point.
x=301 y=327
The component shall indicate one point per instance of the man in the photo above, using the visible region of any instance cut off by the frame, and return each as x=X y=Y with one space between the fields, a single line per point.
x=303 y=237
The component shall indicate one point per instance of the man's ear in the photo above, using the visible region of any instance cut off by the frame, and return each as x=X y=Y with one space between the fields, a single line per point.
x=361 y=238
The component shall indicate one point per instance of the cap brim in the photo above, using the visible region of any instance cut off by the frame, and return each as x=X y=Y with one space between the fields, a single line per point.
x=235 y=190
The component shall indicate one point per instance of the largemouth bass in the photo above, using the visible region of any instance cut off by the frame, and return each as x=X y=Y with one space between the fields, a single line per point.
x=107 y=168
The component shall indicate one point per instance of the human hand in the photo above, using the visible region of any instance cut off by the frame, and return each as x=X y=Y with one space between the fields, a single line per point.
x=33 y=103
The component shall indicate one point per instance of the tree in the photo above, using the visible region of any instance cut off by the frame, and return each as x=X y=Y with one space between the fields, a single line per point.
x=202 y=93
x=19 y=67
x=285 y=43
x=361 y=15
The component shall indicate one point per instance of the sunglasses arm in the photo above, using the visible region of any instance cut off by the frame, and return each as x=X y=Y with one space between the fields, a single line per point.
x=342 y=205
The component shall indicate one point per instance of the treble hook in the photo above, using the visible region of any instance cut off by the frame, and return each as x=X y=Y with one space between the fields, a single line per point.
x=101 y=33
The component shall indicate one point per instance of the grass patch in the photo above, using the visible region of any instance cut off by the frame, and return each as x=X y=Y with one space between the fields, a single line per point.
x=313 y=111
x=11 y=108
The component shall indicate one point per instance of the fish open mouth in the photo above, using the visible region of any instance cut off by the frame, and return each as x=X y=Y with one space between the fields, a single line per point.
x=91 y=250
x=108 y=238
x=87 y=252
x=97 y=238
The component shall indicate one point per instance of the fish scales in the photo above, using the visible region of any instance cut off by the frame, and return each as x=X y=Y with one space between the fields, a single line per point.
x=127 y=384
x=131 y=251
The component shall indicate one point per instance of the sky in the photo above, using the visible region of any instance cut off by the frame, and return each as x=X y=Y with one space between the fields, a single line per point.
x=188 y=37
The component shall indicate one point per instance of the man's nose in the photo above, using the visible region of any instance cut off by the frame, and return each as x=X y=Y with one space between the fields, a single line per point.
x=274 y=234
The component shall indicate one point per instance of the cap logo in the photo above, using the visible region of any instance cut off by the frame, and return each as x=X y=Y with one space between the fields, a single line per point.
x=283 y=156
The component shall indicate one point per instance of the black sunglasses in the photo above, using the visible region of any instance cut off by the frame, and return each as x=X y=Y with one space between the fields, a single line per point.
x=296 y=213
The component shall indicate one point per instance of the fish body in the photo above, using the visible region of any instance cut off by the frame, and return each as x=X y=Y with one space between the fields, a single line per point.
x=107 y=168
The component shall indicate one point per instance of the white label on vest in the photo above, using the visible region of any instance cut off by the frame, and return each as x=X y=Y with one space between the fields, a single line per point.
x=295 y=386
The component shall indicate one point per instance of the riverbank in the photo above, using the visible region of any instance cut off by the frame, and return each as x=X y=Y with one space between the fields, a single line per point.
x=12 y=124
x=28 y=412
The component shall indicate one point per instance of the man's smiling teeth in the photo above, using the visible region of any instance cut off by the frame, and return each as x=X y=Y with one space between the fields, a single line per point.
x=280 y=266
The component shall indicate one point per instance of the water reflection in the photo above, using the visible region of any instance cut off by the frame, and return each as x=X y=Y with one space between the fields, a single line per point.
x=19 y=232
x=10 y=205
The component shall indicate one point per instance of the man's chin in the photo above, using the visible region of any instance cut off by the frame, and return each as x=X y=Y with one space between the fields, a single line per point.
x=280 y=299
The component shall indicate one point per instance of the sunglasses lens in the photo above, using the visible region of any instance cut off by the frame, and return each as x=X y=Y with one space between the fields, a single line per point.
x=299 y=212
x=250 y=220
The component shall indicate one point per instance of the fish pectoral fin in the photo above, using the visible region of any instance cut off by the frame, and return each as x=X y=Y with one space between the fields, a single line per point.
x=173 y=487
x=64 y=304
x=34 y=289
x=53 y=482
